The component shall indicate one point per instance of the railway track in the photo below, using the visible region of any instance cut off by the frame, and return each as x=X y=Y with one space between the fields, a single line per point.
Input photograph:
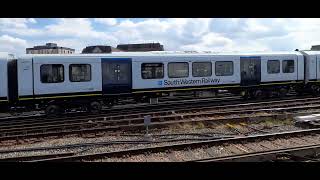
x=234 y=112
x=140 y=108
x=207 y=146
x=306 y=153
x=128 y=108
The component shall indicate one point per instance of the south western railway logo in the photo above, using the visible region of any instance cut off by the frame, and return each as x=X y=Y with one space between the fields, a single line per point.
x=178 y=82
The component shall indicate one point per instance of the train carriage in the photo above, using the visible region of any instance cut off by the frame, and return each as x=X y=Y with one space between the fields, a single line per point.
x=59 y=82
x=204 y=72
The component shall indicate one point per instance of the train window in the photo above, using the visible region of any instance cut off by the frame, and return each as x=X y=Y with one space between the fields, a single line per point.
x=288 y=66
x=273 y=66
x=178 y=70
x=152 y=70
x=80 y=72
x=52 y=73
x=224 y=68
x=201 y=69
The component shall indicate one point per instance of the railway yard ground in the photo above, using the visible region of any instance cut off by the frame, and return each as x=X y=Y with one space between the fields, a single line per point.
x=181 y=131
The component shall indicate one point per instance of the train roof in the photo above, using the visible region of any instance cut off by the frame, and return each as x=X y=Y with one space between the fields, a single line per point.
x=312 y=52
x=166 y=53
x=4 y=56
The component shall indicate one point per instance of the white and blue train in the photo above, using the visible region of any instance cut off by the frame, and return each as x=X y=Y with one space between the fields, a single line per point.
x=55 y=83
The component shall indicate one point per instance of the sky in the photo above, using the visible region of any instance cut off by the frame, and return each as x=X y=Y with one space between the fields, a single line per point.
x=176 y=34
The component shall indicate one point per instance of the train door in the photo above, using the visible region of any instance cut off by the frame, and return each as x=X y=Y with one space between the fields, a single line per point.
x=3 y=81
x=13 y=80
x=250 y=68
x=318 y=67
x=116 y=75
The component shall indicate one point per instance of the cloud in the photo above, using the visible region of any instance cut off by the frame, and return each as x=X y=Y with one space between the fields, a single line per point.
x=106 y=21
x=218 y=34
x=173 y=33
x=32 y=20
x=77 y=28
x=19 y=26
x=12 y=44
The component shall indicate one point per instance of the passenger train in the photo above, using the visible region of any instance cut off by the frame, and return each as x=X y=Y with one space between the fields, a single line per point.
x=55 y=83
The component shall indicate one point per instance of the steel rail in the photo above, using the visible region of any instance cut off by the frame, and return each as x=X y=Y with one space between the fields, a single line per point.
x=123 y=109
x=179 y=146
x=270 y=155
x=208 y=109
x=137 y=124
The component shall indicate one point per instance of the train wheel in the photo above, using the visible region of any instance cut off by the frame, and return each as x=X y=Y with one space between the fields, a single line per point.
x=267 y=94
x=283 y=92
x=258 y=94
x=95 y=107
x=315 y=90
x=53 y=110
x=244 y=95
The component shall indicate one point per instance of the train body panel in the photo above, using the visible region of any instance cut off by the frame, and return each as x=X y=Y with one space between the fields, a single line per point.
x=318 y=66
x=188 y=78
x=301 y=68
x=312 y=65
x=25 y=77
x=259 y=74
x=40 y=77
x=3 y=78
x=275 y=68
x=62 y=81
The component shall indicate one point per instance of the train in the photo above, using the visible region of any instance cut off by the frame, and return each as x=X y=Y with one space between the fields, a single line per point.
x=58 y=83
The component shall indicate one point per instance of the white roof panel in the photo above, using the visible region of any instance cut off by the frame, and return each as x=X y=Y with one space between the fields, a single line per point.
x=4 y=56
x=312 y=52
x=166 y=53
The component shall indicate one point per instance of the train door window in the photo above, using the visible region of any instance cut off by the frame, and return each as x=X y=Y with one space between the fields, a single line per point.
x=52 y=73
x=273 y=66
x=288 y=66
x=201 y=69
x=80 y=72
x=178 y=70
x=224 y=68
x=152 y=70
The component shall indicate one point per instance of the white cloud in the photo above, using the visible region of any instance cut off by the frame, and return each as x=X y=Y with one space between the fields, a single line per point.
x=13 y=22
x=32 y=20
x=221 y=34
x=106 y=21
x=19 y=26
x=77 y=28
x=70 y=27
x=173 y=33
x=12 y=44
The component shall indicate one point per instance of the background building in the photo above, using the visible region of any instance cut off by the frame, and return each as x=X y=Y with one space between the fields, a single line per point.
x=49 y=48
x=99 y=49
x=123 y=48
x=141 y=47
x=315 y=48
